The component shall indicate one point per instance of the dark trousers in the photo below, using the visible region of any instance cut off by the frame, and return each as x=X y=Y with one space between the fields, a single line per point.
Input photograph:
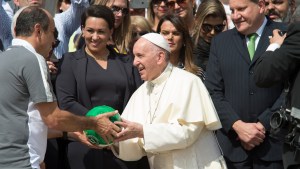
x=74 y=155
x=254 y=163
x=56 y=154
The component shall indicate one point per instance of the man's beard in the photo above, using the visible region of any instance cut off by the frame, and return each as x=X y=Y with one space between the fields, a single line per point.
x=273 y=12
x=277 y=20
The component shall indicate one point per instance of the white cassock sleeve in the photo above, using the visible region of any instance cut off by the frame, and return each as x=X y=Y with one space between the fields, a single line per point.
x=159 y=138
x=164 y=137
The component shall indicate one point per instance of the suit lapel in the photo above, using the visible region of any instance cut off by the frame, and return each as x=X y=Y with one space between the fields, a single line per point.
x=264 y=41
x=80 y=68
x=240 y=43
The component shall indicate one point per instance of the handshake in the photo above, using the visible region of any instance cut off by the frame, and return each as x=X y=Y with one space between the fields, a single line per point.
x=106 y=131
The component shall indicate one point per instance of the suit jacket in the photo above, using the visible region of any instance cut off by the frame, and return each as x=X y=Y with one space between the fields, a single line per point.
x=235 y=95
x=74 y=97
x=282 y=65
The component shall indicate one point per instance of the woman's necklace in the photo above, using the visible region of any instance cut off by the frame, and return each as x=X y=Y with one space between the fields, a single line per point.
x=151 y=115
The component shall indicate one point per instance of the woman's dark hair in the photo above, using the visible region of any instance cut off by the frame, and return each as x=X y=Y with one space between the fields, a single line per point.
x=150 y=12
x=98 y=11
x=28 y=18
x=186 y=52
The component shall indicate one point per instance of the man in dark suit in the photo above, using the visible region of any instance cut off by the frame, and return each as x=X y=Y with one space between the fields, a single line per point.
x=244 y=109
x=282 y=65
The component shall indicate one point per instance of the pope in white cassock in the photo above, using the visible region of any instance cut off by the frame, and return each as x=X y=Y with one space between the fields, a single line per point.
x=171 y=117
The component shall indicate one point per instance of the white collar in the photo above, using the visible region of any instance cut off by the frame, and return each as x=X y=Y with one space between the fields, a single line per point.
x=24 y=43
x=261 y=28
x=164 y=75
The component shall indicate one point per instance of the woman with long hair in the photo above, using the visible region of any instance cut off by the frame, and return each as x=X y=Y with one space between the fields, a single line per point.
x=210 y=20
x=177 y=35
x=156 y=9
x=139 y=26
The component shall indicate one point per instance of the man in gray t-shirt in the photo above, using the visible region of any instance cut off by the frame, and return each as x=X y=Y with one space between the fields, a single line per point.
x=24 y=79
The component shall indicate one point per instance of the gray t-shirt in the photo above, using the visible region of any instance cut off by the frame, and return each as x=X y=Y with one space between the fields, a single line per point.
x=24 y=77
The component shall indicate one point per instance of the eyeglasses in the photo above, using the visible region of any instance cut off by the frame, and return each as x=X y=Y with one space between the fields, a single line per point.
x=117 y=10
x=170 y=4
x=56 y=42
x=217 y=28
x=139 y=34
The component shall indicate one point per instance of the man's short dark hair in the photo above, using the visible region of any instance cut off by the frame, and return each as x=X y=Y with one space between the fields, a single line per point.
x=28 y=18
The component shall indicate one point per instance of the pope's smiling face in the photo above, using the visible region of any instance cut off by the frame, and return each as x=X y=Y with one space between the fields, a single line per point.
x=146 y=59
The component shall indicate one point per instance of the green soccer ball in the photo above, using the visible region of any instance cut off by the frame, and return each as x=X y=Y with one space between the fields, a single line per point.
x=92 y=135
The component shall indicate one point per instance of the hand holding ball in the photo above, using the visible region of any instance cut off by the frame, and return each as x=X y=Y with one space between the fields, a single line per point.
x=92 y=135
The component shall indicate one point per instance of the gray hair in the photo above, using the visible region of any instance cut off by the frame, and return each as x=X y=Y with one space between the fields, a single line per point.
x=156 y=49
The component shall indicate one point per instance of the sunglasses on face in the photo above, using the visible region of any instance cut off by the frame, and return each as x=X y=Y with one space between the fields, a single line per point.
x=169 y=4
x=139 y=34
x=217 y=28
x=117 y=10
x=56 y=42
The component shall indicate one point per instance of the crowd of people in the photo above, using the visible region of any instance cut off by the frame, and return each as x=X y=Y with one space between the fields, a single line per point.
x=187 y=77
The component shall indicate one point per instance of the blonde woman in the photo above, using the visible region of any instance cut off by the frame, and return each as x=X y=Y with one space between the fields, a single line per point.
x=210 y=20
x=139 y=26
